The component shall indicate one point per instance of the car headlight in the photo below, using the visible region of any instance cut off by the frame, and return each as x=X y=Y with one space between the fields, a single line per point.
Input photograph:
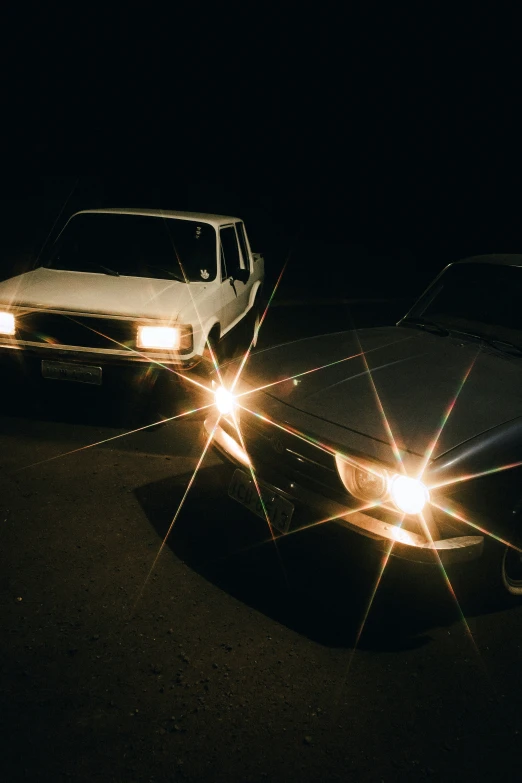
x=225 y=401
x=365 y=482
x=166 y=337
x=409 y=495
x=7 y=323
x=372 y=483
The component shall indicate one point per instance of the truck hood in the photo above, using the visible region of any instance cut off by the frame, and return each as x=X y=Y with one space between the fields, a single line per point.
x=416 y=380
x=88 y=292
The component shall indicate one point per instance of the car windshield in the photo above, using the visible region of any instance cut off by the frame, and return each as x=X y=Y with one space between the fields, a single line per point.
x=481 y=299
x=136 y=246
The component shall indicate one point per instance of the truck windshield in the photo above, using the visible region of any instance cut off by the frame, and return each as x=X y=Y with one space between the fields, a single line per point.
x=136 y=246
x=480 y=298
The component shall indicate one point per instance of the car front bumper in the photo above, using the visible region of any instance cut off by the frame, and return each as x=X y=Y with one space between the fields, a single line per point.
x=312 y=508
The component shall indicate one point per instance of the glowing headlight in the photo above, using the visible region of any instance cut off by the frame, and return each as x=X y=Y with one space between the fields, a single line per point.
x=366 y=483
x=409 y=495
x=7 y=323
x=225 y=401
x=372 y=483
x=166 y=337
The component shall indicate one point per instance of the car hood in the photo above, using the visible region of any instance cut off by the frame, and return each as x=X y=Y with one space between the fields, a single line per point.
x=88 y=292
x=392 y=382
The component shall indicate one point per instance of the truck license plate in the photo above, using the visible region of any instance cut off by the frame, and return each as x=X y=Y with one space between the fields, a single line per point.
x=279 y=509
x=81 y=373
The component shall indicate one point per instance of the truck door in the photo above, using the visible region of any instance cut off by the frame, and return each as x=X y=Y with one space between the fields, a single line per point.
x=234 y=292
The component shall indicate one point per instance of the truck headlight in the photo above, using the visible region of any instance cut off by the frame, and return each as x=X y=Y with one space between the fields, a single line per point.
x=166 y=337
x=7 y=323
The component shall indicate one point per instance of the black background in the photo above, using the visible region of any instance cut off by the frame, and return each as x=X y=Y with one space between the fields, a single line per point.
x=370 y=148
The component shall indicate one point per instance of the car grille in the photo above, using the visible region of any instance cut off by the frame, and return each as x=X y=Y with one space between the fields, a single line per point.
x=291 y=456
x=81 y=331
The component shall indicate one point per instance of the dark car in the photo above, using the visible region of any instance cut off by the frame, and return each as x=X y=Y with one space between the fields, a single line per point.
x=410 y=435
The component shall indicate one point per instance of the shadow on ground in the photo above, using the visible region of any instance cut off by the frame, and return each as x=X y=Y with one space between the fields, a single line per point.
x=317 y=582
x=114 y=405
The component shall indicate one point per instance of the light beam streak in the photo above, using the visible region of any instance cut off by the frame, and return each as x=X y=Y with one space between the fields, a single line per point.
x=381 y=410
x=254 y=479
x=258 y=328
x=384 y=563
x=471 y=476
x=263 y=506
x=432 y=446
x=340 y=516
x=446 y=578
x=452 y=513
x=178 y=510
x=113 y=437
x=386 y=558
x=56 y=221
x=320 y=367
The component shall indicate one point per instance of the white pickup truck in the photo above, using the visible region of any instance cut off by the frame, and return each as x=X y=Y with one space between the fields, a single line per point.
x=133 y=287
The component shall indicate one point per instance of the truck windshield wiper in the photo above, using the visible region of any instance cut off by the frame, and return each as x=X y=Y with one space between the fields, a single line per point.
x=428 y=326
x=106 y=269
x=168 y=272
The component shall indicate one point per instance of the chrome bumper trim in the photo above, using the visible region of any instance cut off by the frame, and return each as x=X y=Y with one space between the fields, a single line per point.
x=84 y=353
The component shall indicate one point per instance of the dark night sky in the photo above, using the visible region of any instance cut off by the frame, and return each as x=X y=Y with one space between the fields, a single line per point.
x=376 y=149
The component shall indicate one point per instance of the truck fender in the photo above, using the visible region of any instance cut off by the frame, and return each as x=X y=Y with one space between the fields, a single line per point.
x=256 y=289
x=211 y=324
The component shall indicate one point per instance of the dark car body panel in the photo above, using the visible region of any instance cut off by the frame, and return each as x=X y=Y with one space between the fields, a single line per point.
x=350 y=379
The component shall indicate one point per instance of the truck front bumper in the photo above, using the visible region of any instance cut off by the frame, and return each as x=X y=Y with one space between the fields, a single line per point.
x=19 y=352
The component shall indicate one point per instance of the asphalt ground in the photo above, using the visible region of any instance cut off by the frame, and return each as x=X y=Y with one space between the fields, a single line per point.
x=220 y=656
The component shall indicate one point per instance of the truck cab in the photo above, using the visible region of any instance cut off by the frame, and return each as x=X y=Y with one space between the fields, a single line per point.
x=133 y=287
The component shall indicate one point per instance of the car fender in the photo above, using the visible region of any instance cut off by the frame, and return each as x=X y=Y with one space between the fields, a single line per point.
x=490 y=466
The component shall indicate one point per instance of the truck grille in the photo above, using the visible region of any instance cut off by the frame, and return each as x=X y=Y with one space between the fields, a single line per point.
x=81 y=331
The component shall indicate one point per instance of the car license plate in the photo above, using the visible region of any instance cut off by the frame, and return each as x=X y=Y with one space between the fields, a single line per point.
x=279 y=509
x=81 y=373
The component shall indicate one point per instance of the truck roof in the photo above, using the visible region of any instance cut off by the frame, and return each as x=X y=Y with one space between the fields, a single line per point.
x=215 y=220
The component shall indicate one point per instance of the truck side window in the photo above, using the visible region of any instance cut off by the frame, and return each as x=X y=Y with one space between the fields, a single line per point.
x=243 y=244
x=229 y=249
